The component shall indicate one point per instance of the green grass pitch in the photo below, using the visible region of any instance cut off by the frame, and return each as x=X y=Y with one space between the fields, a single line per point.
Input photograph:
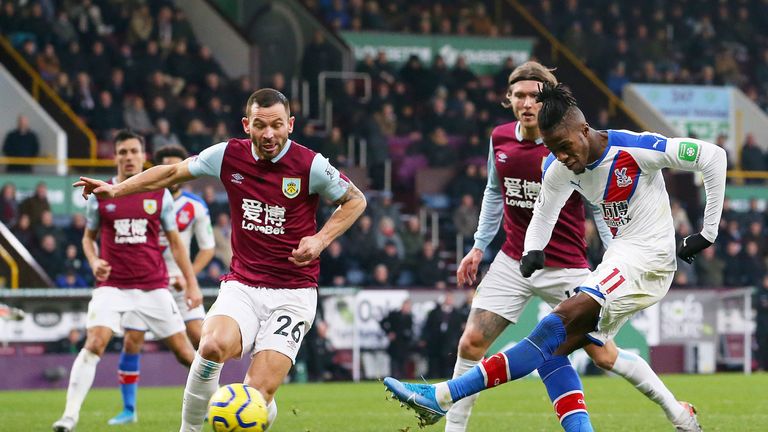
x=726 y=402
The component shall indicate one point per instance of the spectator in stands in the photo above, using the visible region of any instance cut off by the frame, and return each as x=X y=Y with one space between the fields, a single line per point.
x=70 y=279
x=222 y=234
x=429 y=271
x=680 y=218
x=319 y=354
x=442 y=329
x=752 y=157
x=72 y=344
x=9 y=207
x=48 y=255
x=74 y=262
x=413 y=239
x=21 y=142
x=387 y=233
x=398 y=329
x=734 y=272
x=362 y=242
x=215 y=206
x=333 y=265
x=389 y=256
x=335 y=148
x=197 y=137
x=755 y=234
x=23 y=231
x=47 y=227
x=136 y=118
x=106 y=118
x=35 y=204
x=761 y=328
x=163 y=135
x=465 y=217
x=469 y=182
x=48 y=63
x=380 y=277
x=212 y=274
x=753 y=264
x=617 y=78
x=722 y=142
x=73 y=233
x=709 y=269
x=440 y=153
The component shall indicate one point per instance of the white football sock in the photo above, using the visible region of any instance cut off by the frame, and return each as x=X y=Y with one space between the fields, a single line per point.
x=202 y=383
x=458 y=416
x=271 y=414
x=80 y=381
x=635 y=370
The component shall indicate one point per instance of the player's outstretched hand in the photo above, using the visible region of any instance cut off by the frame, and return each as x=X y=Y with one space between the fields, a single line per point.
x=309 y=249
x=466 y=274
x=93 y=186
x=531 y=261
x=101 y=270
x=690 y=246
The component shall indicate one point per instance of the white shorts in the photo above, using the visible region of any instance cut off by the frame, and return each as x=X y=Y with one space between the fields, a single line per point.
x=156 y=309
x=622 y=290
x=131 y=320
x=505 y=292
x=269 y=319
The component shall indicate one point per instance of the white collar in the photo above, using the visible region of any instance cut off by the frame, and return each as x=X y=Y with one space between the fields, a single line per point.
x=519 y=134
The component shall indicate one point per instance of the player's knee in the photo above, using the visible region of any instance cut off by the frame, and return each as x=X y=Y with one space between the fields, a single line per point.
x=132 y=344
x=214 y=350
x=602 y=360
x=473 y=344
x=96 y=344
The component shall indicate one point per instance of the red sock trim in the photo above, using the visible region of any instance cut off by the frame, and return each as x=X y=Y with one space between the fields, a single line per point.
x=127 y=377
x=495 y=370
x=569 y=403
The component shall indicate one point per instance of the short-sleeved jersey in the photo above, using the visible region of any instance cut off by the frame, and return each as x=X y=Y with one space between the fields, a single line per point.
x=273 y=205
x=514 y=180
x=627 y=185
x=192 y=218
x=129 y=241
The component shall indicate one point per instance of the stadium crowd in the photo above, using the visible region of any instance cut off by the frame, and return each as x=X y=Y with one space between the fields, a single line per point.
x=124 y=64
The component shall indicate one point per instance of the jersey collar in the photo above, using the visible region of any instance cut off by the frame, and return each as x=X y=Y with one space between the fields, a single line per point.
x=279 y=156
x=519 y=134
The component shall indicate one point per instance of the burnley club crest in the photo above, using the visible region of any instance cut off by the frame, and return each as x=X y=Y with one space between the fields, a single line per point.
x=291 y=186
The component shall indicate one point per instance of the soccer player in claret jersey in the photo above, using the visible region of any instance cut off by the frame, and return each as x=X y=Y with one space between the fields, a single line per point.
x=515 y=165
x=620 y=172
x=130 y=273
x=192 y=218
x=267 y=302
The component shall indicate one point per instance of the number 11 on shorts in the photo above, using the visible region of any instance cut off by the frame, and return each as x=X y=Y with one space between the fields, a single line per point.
x=613 y=281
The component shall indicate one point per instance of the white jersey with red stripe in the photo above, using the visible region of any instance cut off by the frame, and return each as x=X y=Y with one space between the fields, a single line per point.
x=627 y=185
x=192 y=217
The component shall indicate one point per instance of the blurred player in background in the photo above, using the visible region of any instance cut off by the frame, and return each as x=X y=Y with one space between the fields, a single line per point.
x=130 y=273
x=191 y=219
x=267 y=302
x=515 y=165
x=621 y=172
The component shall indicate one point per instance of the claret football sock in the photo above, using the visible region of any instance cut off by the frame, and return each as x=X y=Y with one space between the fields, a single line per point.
x=128 y=375
x=202 y=383
x=514 y=363
x=566 y=393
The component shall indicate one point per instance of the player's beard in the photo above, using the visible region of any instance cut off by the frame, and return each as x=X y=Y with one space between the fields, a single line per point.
x=278 y=147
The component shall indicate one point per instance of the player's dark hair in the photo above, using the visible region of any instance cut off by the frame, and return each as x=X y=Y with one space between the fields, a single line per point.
x=170 y=150
x=556 y=101
x=528 y=71
x=125 y=135
x=267 y=97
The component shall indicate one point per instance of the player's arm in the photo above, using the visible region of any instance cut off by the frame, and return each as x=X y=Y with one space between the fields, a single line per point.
x=326 y=180
x=205 y=241
x=602 y=228
x=555 y=191
x=710 y=160
x=99 y=267
x=491 y=213
x=179 y=251
x=159 y=176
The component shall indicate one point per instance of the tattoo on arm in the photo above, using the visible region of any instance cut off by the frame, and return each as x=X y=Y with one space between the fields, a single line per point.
x=352 y=193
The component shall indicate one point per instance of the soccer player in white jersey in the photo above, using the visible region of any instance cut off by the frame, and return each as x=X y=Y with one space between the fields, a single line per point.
x=515 y=166
x=620 y=172
x=192 y=218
